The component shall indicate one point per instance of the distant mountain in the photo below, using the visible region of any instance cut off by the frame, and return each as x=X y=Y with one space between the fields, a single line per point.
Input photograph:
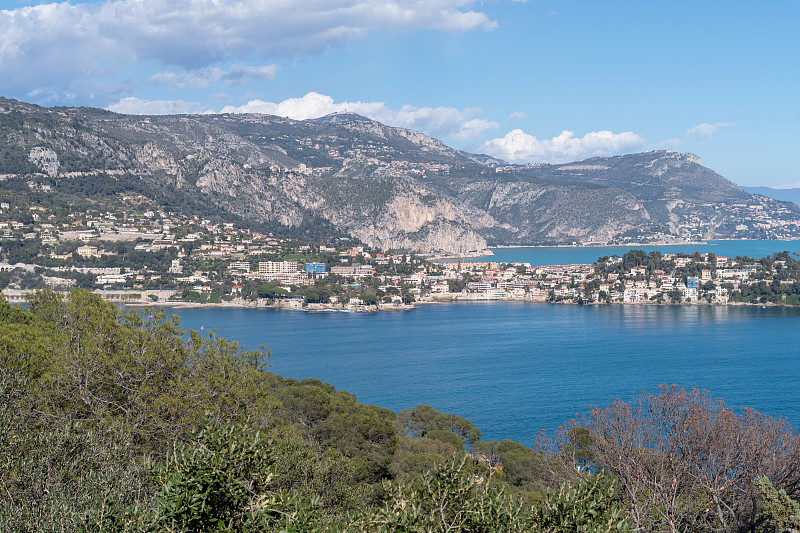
x=392 y=188
x=650 y=176
x=786 y=195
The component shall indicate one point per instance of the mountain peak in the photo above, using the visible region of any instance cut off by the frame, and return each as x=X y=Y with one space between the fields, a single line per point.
x=389 y=187
x=342 y=116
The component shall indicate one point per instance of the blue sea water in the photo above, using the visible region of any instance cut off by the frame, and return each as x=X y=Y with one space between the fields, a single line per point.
x=564 y=255
x=516 y=368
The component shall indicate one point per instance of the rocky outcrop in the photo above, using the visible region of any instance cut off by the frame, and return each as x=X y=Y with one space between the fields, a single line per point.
x=391 y=188
x=154 y=159
x=439 y=237
x=44 y=158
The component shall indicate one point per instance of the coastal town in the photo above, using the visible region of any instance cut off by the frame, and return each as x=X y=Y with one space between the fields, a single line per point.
x=138 y=253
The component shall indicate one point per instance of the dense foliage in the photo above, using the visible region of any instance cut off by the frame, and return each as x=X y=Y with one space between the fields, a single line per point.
x=113 y=421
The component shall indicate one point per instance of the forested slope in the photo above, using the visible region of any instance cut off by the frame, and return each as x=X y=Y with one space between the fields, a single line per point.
x=117 y=422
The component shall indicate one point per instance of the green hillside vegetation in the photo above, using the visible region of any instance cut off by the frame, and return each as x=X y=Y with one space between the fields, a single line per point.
x=113 y=421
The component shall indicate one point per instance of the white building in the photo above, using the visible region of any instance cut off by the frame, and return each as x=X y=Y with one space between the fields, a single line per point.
x=277 y=267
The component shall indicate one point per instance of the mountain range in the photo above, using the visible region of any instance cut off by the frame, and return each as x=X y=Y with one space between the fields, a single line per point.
x=387 y=187
x=786 y=195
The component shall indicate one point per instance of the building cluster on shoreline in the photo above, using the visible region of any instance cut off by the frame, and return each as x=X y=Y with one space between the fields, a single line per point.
x=582 y=283
x=135 y=251
x=635 y=277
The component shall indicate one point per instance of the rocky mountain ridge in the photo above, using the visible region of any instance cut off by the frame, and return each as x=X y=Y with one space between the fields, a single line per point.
x=388 y=187
x=784 y=194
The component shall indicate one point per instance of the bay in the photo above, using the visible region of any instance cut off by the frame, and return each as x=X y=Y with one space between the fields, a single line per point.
x=517 y=368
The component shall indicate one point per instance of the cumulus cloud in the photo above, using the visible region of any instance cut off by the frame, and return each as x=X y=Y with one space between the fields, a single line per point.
x=460 y=125
x=312 y=105
x=706 y=130
x=44 y=45
x=138 y=106
x=473 y=128
x=519 y=147
x=436 y=121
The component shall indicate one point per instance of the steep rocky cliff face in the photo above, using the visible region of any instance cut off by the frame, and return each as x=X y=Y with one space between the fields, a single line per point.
x=388 y=187
x=577 y=213
x=45 y=159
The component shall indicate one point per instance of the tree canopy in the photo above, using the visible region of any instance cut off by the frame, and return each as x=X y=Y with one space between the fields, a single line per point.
x=114 y=420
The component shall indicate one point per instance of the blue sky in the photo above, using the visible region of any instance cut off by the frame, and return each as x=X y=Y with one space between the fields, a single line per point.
x=527 y=81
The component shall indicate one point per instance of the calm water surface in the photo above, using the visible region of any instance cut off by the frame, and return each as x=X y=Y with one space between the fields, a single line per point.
x=516 y=368
x=566 y=255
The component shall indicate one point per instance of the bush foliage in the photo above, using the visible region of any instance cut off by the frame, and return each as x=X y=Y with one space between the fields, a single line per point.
x=118 y=421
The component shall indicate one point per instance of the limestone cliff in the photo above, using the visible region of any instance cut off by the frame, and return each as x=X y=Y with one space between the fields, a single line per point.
x=391 y=188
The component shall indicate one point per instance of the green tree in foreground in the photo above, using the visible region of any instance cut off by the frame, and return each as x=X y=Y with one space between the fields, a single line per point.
x=223 y=480
x=453 y=497
x=425 y=421
x=781 y=513
x=62 y=475
x=589 y=505
x=100 y=430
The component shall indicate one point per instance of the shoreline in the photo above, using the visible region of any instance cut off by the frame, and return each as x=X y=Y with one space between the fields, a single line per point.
x=328 y=308
x=606 y=245
x=650 y=244
x=537 y=246
x=474 y=255
x=451 y=298
x=241 y=303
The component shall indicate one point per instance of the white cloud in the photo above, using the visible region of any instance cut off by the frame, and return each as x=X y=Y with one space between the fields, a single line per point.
x=515 y=116
x=138 y=106
x=519 y=147
x=73 y=45
x=473 y=128
x=706 y=130
x=434 y=121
